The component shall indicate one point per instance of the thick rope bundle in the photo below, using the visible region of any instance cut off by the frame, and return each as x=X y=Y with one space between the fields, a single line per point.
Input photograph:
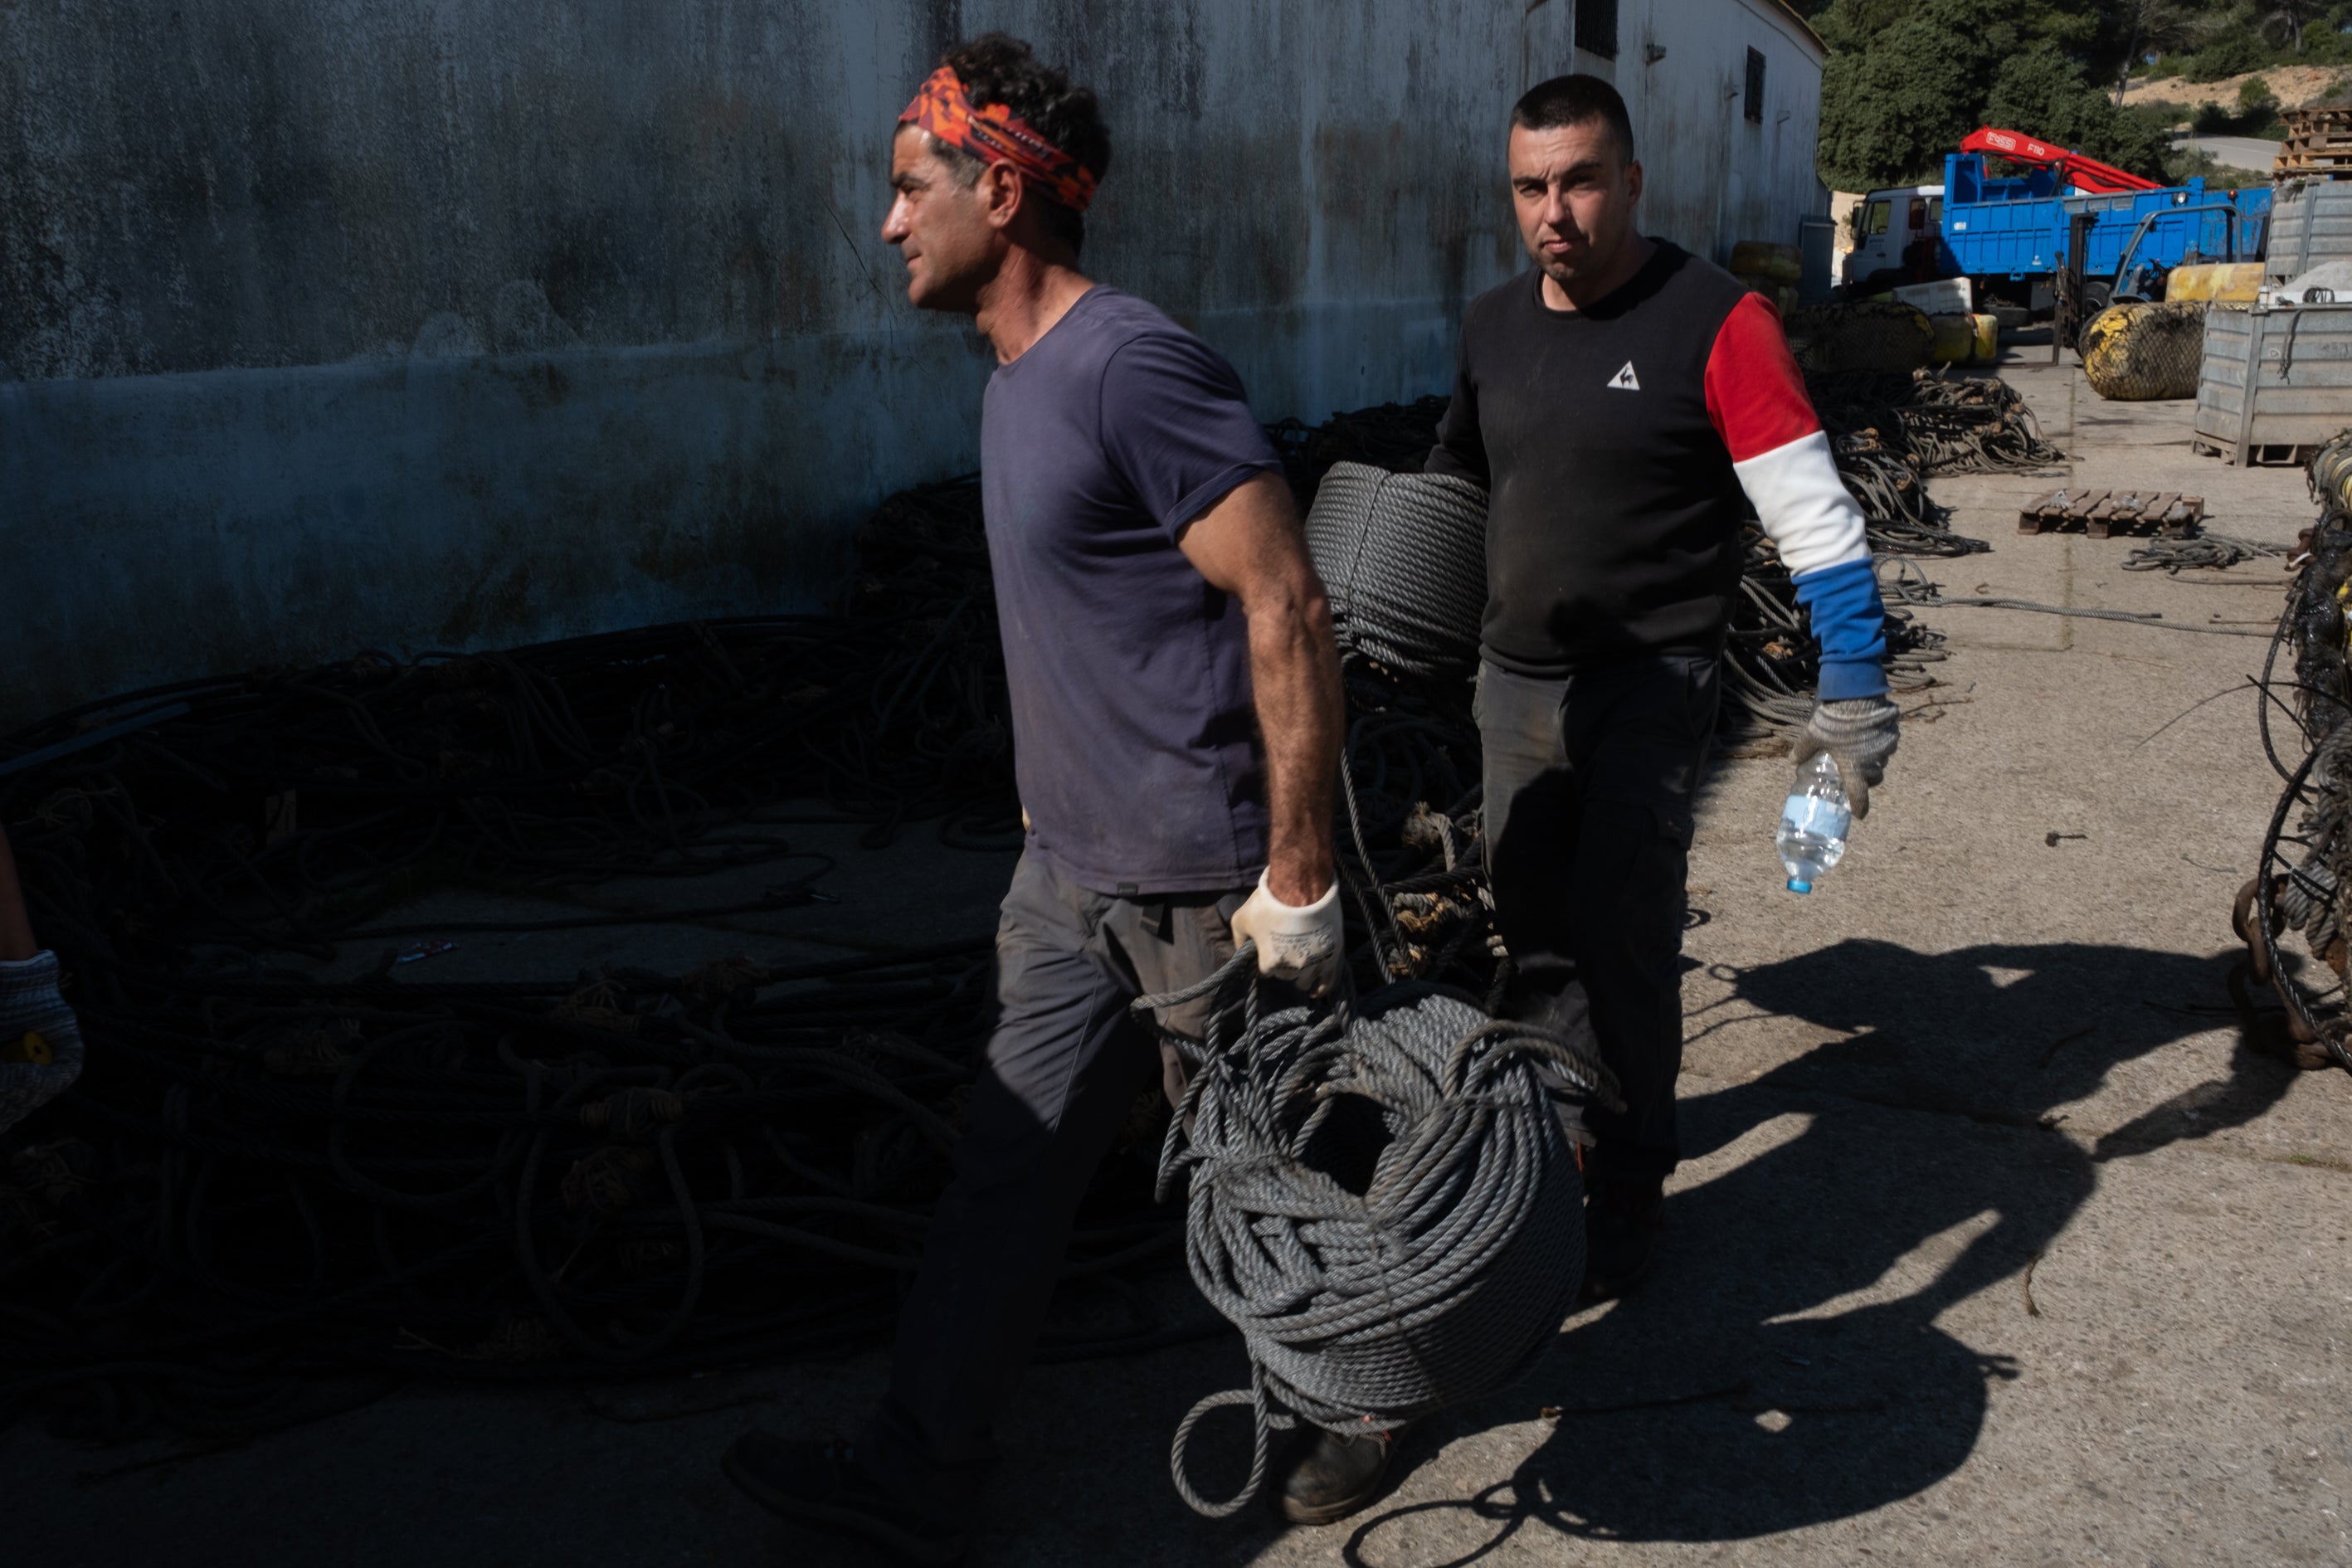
x=1405 y=559
x=1871 y=334
x=2142 y=351
x=1383 y=1201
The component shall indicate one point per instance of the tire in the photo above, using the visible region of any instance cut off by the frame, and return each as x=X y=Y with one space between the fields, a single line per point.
x=2097 y=295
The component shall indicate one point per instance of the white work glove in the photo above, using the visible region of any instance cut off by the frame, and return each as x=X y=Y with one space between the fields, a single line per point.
x=40 y=1040
x=1303 y=946
x=1860 y=734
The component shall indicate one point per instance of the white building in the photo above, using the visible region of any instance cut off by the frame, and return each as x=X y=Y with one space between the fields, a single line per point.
x=1726 y=96
x=417 y=324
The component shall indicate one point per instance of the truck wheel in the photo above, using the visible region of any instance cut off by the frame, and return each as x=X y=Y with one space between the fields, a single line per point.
x=2097 y=295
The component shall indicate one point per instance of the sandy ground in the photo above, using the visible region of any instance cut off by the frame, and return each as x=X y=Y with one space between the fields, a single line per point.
x=2294 y=85
x=1997 y=1241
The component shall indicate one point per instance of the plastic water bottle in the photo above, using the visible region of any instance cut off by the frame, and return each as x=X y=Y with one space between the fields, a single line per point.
x=1813 y=824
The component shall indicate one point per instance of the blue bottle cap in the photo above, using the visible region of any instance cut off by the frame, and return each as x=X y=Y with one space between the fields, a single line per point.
x=1797 y=887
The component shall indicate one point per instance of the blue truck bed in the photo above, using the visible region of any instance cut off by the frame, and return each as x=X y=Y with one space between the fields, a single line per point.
x=2016 y=227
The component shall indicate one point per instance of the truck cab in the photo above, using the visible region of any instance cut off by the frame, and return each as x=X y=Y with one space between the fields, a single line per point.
x=1895 y=233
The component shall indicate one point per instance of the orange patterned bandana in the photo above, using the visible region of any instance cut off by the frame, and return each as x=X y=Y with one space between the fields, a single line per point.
x=996 y=134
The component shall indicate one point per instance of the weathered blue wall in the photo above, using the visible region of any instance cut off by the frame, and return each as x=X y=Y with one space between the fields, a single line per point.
x=330 y=324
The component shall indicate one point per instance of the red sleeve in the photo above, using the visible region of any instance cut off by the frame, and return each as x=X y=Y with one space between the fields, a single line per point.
x=1755 y=394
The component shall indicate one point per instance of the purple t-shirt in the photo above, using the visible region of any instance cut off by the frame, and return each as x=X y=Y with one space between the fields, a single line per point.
x=1134 y=739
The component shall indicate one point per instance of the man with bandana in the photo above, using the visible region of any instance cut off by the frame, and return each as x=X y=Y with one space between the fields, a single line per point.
x=1176 y=711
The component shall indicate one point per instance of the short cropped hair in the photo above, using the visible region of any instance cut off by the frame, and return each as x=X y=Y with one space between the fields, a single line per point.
x=996 y=68
x=1575 y=100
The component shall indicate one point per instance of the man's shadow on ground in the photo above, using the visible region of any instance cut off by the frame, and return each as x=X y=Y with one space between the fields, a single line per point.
x=1745 y=1390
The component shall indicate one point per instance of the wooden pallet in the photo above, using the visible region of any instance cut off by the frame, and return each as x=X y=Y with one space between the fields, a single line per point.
x=2318 y=143
x=2300 y=120
x=2100 y=513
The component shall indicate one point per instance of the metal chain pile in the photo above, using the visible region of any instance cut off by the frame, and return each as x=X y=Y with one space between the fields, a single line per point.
x=1383 y=1200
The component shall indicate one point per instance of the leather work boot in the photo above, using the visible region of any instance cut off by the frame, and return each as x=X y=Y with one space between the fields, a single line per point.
x=820 y=1484
x=1336 y=1475
x=1623 y=1215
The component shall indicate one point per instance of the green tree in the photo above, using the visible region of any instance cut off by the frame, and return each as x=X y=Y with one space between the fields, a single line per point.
x=2287 y=17
x=1908 y=79
x=2043 y=93
x=1893 y=106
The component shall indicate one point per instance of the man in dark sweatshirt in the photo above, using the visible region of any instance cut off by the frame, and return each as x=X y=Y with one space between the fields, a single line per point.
x=1627 y=405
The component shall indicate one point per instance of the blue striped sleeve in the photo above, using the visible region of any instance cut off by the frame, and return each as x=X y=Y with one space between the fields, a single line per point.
x=1850 y=625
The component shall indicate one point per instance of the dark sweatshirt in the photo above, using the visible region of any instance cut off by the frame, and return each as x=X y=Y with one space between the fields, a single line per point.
x=1622 y=447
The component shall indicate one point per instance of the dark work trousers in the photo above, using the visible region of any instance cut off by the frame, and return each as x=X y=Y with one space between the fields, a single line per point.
x=1589 y=783
x=1065 y=1064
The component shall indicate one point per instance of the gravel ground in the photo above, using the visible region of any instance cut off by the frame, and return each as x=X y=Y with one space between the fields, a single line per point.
x=1996 y=1242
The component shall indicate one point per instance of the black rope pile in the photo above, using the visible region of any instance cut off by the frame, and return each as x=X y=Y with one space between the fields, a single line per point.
x=2296 y=914
x=1889 y=432
x=298 y=1169
x=2200 y=550
x=289 y=1173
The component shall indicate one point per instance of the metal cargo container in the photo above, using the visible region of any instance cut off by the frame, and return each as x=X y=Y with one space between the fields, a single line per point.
x=2311 y=222
x=2276 y=381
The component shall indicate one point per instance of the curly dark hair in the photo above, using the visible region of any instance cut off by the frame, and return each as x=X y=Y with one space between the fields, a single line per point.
x=996 y=68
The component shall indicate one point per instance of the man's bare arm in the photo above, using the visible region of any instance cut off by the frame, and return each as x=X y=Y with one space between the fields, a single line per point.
x=1251 y=545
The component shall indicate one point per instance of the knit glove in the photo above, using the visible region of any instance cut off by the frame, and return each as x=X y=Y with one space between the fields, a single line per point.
x=40 y=1040
x=1859 y=733
x=1301 y=945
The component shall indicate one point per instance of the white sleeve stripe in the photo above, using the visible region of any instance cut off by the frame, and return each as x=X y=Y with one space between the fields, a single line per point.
x=1805 y=506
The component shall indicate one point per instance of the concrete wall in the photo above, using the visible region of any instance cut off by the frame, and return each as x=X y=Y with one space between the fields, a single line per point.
x=331 y=323
x=1714 y=177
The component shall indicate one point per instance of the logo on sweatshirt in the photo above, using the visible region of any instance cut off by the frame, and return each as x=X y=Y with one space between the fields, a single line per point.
x=1625 y=380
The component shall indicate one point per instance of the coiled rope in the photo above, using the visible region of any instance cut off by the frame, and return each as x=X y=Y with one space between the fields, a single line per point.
x=2216 y=551
x=1405 y=559
x=1383 y=1201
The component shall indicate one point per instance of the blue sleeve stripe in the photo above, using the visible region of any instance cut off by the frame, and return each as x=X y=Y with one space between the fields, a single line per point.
x=1848 y=625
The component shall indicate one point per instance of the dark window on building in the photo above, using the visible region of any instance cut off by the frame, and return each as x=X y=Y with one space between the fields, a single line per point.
x=1755 y=87
x=1596 y=27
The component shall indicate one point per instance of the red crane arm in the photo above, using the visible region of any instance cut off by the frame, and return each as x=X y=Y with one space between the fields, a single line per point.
x=2082 y=173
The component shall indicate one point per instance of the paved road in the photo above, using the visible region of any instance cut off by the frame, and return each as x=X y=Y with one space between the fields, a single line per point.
x=2235 y=152
x=1999 y=1243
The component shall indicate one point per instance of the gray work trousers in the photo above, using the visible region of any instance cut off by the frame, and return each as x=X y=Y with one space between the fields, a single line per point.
x=1065 y=1063
x=1589 y=783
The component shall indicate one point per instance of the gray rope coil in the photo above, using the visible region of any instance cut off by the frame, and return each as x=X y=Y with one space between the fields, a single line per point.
x=1403 y=557
x=2306 y=896
x=2218 y=551
x=1383 y=1201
